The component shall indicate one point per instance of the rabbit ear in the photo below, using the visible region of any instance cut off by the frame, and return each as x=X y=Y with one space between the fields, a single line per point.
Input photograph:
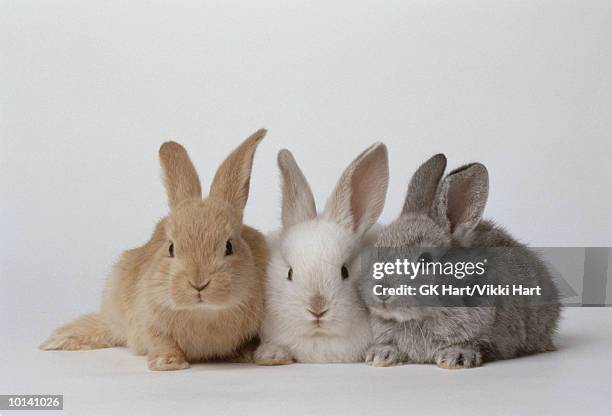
x=359 y=197
x=423 y=185
x=298 y=202
x=232 y=180
x=462 y=198
x=180 y=177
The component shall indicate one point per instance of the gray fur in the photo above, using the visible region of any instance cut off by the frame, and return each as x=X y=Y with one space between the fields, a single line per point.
x=458 y=337
x=423 y=185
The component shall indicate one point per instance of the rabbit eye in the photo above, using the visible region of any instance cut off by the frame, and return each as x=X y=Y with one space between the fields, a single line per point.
x=171 y=249
x=425 y=257
x=229 y=249
x=290 y=274
x=345 y=273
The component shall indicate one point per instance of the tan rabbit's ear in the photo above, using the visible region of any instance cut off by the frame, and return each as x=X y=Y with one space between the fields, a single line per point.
x=423 y=185
x=298 y=201
x=231 y=182
x=359 y=196
x=180 y=177
x=461 y=198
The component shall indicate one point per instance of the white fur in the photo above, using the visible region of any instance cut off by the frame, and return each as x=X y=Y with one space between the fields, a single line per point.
x=316 y=247
x=316 y=250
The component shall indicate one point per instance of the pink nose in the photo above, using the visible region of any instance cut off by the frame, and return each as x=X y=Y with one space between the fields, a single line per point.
x=317 y=314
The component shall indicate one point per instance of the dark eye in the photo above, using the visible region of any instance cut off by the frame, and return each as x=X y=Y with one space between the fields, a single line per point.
x=229 y=249
x=171 y=249
x=425 y=257
x=345 y=273
x=290 y=274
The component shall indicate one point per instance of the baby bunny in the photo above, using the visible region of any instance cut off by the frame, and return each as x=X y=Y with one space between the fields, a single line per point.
x=437 y=219
x=195 y=290
x=313 y=310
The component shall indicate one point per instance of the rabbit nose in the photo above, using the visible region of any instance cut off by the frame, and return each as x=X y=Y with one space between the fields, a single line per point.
x=317 y=302
x=384 y=298
x=317 y=314
x=200 y=287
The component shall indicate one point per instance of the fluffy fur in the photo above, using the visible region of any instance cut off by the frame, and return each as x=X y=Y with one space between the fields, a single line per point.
x=448 y=214
x=195 y=290
x=313 y=309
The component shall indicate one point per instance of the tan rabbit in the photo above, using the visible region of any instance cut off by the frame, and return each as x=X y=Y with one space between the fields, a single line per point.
x=195 y=290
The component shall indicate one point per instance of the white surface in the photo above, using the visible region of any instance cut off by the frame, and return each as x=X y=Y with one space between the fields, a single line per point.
x=574 y=380
x=90 y=89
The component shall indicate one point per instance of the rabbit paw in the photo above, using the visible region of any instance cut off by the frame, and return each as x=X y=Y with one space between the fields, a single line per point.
x=382 y=355
x=167 y=362
x=269 y=354
x=243 y=357
x=458 y=356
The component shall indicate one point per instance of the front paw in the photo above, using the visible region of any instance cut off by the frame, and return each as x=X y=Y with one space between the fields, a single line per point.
x=382 y=355
x=270 y=354
x=167 y=362
x=458 y=356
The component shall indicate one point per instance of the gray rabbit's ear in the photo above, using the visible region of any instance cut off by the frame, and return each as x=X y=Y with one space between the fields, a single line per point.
x=359 y=196
x=298 y=201
x=462 y=198
x=423 y=185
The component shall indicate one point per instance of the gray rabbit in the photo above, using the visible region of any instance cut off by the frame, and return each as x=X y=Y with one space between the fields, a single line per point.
x=439 y=216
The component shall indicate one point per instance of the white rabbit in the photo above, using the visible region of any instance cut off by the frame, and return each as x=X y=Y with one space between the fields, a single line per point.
x=313 y=310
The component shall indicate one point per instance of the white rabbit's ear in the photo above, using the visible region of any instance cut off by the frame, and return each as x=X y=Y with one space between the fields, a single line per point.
x=462 y=198
x=423 y=185
x=359 y=197
x=180 y=177
x=298 y=201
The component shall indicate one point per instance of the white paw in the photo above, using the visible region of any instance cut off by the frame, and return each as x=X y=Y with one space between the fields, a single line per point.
x=383 y=355
x=270 y=354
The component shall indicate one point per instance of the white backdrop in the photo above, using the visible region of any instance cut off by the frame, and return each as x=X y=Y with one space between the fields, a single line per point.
x=89 y=90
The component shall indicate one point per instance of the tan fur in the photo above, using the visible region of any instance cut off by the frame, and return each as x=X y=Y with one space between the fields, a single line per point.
x=153 y=302
x=450 y=366
x=274 y=361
